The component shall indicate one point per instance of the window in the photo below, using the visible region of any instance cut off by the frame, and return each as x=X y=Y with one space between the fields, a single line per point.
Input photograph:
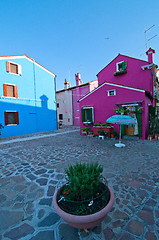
x=60 y=116
x=111 y=92
x=58 y=105
x=121 y=66
x=13 y=68
x=11 y=118
x=87 y=114
x=10 y=90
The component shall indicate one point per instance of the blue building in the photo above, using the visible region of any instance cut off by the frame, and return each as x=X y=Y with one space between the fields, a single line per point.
x=27 y=96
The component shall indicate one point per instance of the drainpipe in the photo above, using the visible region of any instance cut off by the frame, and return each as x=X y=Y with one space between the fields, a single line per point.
x=55 y=101
x=36 y=117
x=72 y=110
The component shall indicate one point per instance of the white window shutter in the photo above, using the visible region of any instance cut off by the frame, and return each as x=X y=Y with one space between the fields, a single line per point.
x=19 y=69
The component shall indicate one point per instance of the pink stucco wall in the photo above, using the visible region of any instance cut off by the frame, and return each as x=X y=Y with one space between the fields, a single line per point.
x=93 y=85
x=103 y=104
x=135 y=76
x=78 y=93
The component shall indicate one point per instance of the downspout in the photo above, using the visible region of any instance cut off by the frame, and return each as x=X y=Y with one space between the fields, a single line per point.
x=55 y=100
x=72 y=109
x=36 y=117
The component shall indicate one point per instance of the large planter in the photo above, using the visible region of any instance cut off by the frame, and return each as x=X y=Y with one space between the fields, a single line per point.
x=86 y=221
x=104 y=128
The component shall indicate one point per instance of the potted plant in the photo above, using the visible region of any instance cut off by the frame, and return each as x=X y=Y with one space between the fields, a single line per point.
x=88 y=123
x=85 y=130
x=150 y=134
x=116 y=110
x=140 y=109
x=120 y=110
x=101 y=133
x=90 y=133
x=113 y=134
x=85 y=199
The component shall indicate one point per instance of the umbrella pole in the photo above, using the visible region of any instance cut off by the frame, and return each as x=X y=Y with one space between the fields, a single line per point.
x=120 y=144
x=120 y=135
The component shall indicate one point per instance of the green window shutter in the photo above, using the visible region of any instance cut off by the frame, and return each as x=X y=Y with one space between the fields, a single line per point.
x=123 y=130
x=139 y=121
x=152 y=111
x=91 y=119
x=124 y=65
x=83 y=115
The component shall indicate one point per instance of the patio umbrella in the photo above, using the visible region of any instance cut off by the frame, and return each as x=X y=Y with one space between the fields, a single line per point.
x=122 y=120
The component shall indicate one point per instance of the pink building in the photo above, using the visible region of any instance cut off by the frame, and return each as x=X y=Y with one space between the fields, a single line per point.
x=68 y=110
x=125 y=82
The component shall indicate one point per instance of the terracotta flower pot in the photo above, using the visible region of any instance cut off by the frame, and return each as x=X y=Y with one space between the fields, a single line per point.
x=86 y=221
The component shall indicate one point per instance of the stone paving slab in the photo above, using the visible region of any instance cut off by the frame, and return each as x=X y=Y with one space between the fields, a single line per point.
x=31 y=169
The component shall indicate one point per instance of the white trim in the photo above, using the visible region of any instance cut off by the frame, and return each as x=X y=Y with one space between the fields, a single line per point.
x=117 y=66
x=113 y=90
x=10 y=84
x=131 y=88
x=10 y=111
x=150 y=52
x=31 y=60
x=130 y=105
x=92 y=112
x=149 y=66
x=25 y=99
x=19 y=68
x=112 y=84
x=11 y=125
x=87 y=107
x=11 y=57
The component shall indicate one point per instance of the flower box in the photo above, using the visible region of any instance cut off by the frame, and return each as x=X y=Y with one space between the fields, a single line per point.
x=104 y=128
x=120 y=72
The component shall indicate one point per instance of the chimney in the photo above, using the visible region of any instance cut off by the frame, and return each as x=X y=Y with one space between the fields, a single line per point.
x=78 y=79
x=66 y=84
x=150 y=55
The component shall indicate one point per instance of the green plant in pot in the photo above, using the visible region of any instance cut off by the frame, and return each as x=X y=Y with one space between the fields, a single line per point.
x=85 y=199
x=85 y=130
x=101 y=132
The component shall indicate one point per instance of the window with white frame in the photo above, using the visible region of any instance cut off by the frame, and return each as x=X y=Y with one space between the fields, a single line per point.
x=14 y=68
x=112 y=92
x=121 y=66
x=87 y=115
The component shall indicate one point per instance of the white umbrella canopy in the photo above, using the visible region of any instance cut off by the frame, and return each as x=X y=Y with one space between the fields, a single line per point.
x=122 y=120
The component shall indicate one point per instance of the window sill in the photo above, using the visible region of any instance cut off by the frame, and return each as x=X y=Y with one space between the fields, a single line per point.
x=120 y=72
x=17 y=74
x=8 y=97
x=15 y=124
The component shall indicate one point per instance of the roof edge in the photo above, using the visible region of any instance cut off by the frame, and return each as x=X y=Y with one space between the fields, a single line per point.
x=113 y=84
x=31 y=59
x=116 y=57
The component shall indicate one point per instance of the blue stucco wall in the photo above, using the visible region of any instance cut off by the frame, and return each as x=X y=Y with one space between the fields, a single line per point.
x=36 y=102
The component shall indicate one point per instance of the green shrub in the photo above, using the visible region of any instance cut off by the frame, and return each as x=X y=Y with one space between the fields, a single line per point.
x=84 y=179
x=86 y=129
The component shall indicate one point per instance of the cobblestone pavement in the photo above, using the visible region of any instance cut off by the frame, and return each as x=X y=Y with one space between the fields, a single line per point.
x=30 y=170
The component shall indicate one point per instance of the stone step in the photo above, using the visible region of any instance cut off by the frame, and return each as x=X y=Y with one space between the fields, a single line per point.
x=131 y=137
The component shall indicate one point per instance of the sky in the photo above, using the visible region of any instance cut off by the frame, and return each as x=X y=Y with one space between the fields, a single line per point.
x=71 y=36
